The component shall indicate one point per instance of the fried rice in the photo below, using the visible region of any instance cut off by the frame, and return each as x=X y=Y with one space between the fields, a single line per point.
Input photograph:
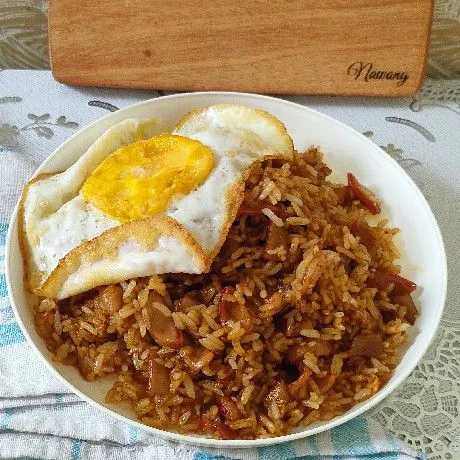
x=300 y=317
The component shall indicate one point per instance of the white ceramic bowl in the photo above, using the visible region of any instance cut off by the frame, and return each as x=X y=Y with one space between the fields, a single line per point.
x=423 y=258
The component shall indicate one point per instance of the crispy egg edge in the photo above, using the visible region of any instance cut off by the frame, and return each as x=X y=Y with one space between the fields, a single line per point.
x=30 y=280
x=105 y=246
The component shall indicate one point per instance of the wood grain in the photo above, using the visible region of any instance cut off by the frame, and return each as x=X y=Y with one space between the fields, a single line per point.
x=291 y=47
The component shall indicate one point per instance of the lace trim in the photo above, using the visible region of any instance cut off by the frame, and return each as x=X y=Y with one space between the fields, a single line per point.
x=424 y=412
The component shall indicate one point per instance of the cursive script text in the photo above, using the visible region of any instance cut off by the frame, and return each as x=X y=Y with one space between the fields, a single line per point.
x=367 y=72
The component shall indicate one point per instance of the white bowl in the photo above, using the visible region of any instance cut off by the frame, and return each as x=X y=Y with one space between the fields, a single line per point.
x=423 y=258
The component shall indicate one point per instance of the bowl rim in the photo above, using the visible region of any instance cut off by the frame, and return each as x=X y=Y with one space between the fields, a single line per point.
x=240 y=443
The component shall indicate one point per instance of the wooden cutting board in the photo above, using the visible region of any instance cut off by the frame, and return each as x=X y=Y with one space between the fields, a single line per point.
x=341 y=47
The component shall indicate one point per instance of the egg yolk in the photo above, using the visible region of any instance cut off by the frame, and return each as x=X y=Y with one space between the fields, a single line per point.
x=141 y=179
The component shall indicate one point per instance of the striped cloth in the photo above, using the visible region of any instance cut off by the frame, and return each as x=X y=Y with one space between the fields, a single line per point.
x=39 y=417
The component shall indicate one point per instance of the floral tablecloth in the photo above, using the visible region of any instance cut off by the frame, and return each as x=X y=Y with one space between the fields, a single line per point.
x=421 y=133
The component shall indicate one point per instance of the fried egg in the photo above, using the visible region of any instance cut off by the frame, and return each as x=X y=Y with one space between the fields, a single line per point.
x=133 y=206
